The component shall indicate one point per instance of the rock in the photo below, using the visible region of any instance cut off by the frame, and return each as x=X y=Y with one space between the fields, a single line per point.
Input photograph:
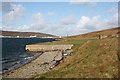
x=59 y=56
x=52 y=64
x=67 y=52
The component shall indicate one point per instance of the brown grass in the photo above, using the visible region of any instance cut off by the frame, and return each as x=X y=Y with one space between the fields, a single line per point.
x=92 y=58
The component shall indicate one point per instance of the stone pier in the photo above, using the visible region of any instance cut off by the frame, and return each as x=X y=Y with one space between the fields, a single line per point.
x=44 y=48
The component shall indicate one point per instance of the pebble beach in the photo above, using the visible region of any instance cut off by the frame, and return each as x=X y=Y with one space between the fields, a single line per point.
x=40 y=65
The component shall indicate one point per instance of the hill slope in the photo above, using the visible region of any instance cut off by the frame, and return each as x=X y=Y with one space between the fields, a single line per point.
x=91 y=58
x=108 y=32
x=25 y=34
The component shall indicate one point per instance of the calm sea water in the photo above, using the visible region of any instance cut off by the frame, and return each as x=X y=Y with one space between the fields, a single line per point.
x=14 y=54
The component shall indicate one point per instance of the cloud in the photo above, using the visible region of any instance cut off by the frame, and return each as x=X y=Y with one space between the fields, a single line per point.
x=96 y=23
x=83 y=2
x=51 y=13
x=12 y=12
x=9 y=28
x=83 y=25
x=114 y=20
x=67 y=25
x=39 y=18
x=83 y=22
x=113 y=10
x=68 y=20
x=6 y=6
x=40 y=24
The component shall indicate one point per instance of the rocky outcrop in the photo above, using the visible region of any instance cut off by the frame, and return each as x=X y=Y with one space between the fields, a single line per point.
x=58 y=51
x=51 y=62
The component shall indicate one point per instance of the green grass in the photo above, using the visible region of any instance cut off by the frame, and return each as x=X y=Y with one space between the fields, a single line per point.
x=64 y=41
x=91 y=58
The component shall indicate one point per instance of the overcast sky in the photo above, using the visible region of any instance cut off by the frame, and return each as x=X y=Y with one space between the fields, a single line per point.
x=59 y=18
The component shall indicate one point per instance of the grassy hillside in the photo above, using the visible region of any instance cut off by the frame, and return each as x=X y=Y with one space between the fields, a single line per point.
x=91 y=57
x=108 y=32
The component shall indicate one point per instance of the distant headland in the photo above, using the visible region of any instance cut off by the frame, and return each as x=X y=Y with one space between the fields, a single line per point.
x=15 y=34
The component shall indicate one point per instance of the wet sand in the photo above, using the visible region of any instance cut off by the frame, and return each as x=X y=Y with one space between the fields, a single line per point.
x=41 y=65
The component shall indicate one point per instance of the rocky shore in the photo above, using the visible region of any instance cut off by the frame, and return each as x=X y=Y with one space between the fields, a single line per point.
x=40 y=65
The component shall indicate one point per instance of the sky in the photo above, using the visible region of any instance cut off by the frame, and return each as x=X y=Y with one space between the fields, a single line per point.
x=58 y=18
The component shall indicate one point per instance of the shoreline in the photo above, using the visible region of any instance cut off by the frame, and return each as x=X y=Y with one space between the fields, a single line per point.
x=27 y=62
x=36 y=66
x=45 y=58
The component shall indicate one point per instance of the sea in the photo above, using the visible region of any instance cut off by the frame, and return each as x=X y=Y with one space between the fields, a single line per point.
x=13 y=53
